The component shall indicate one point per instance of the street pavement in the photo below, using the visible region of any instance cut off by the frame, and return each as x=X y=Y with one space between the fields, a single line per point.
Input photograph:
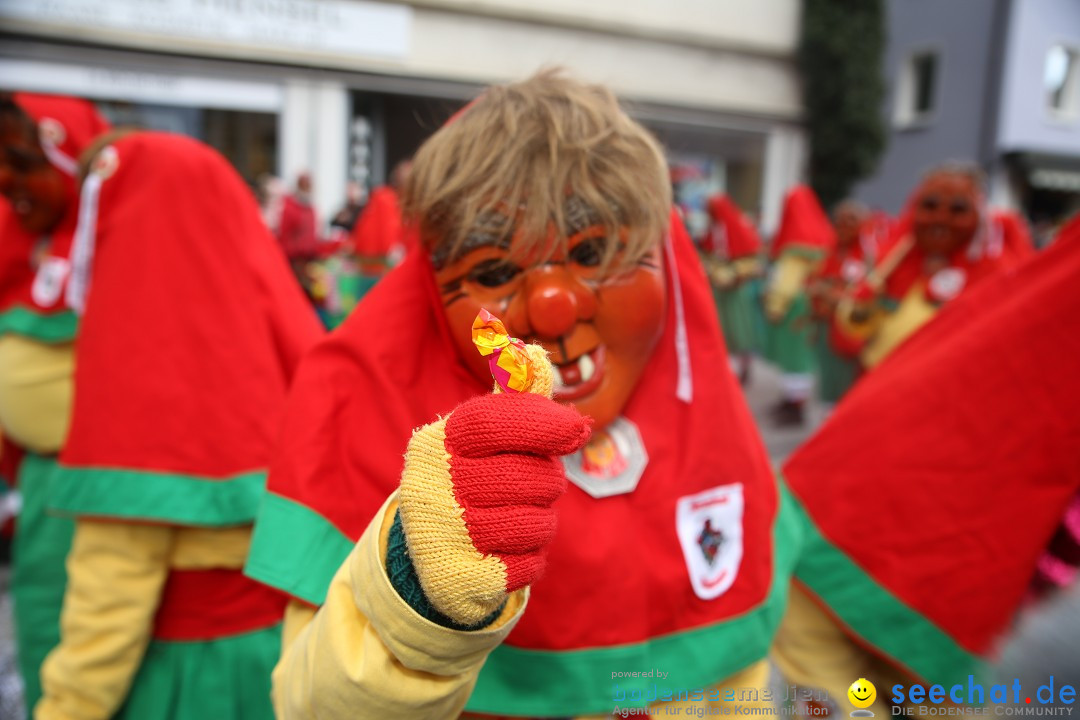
x=762 y=393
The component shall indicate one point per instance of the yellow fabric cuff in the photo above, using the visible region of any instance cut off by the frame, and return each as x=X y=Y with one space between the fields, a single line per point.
x=419 y=643
x=789 y=277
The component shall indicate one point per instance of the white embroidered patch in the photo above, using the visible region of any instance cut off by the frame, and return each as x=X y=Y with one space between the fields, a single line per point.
x=710 y=529
x=49 y=281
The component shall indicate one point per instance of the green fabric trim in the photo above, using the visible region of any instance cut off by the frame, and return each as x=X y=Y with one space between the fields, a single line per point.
x=226 y=678
x=735 y=308
x=877 y=616
x=888 y=303
x=295 y=549
x=402 y=574
x=836 y=373
x=788 y=343
x=50 y=328
x=38 y=573
x=158 y=496
x=578 y=682
x=804 y=251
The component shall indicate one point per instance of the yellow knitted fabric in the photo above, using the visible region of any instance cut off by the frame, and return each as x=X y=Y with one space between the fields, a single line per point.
x=461 y=582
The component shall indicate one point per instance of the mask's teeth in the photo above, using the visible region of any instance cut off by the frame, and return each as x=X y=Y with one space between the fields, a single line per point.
x=587 y=366
x=558 y=385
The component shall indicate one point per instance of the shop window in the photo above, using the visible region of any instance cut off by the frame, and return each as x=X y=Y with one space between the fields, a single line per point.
x=918 y=89
x=1060 y=81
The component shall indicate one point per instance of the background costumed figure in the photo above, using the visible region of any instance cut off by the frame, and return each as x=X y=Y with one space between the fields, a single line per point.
x=189 y=328
x=946 y=242
x=858 y=233
x=927 y=505
x=804 y=239
x=43 y=137
x=730 y=256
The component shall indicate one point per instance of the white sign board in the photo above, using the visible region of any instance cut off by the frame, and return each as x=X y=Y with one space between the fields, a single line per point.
x=140 y=86
x=350 y=28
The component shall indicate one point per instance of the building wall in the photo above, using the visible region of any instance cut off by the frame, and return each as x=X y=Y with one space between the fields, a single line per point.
x=961 y=31
x=659 y=51
x=1027 y=124
x=729 y=62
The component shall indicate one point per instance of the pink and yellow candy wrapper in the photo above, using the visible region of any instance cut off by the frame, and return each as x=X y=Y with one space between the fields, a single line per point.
x=507 y=358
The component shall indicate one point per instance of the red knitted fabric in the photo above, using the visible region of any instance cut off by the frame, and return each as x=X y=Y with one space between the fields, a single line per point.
x=504 y=452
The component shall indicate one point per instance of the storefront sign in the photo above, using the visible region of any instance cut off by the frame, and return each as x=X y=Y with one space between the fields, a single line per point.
x=140 y=86
x=346 y=28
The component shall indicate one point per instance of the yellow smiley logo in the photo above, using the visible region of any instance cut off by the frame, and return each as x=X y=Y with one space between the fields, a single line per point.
x=862 y=693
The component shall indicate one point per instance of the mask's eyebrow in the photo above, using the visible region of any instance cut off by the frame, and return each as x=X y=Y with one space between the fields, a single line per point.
x=491 y=230
x=579 y=215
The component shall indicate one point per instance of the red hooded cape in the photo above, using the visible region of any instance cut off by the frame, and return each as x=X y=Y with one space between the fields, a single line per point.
x=730 y=236
x=935 y=486
x=378 y=229
x=191 y=330
x=1003 y=242
x=804 y=226
x=33 y=274
x=617 y=589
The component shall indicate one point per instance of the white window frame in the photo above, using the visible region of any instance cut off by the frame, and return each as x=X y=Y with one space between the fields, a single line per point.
x=905 y=116
x=1070 y=108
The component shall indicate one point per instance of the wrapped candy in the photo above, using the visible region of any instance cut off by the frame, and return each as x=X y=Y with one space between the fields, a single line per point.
x=507 y=357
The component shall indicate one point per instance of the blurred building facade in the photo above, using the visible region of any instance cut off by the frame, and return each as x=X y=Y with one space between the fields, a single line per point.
x=994 y=81
x=346 y=88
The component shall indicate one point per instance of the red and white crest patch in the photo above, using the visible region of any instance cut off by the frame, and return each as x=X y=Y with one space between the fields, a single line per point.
x=49 y=281
x=946 y=284
x=710 y=528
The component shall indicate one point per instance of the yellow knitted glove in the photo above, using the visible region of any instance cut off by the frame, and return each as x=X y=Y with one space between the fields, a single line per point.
x=476 y=495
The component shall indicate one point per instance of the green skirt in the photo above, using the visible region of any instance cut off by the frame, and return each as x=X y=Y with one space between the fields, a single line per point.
x=735 y=307
x=38 y=575
x=224 y=679
x=836 y=373
x=788 y=341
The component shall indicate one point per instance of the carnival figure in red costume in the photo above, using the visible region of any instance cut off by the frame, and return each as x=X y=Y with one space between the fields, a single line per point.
x=545 y=204
x=947 y=242
x=188 y=330
x=42 y=137
x=730 y=256
x=804 y=239
x=934 y=490
x=858 y=235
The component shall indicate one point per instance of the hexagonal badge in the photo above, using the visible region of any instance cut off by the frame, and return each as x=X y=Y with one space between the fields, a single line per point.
x=612 y=463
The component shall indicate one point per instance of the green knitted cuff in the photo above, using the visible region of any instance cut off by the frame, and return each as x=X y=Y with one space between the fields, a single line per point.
x=403 y=577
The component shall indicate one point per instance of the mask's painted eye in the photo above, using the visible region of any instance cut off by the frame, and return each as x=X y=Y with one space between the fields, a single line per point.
x=930 y=203
x=589 y=252
x=960 y=207
x=493 y=273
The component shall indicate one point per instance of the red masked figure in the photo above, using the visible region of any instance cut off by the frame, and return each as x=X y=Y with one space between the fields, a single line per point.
x=671 y=542
x=43 y=138
x=189 y=328
x=804 y=239
x=730 y=256
x=946 y=242
x=859 y=234
x=935 y=488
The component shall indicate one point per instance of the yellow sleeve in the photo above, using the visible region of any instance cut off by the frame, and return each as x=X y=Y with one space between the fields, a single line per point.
x=811 y=651
x=298 y=615
x=912 y=313
x=115 y=575
x=789 y=278
x=36 y=387
x=747 y=267
x=367 y=654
